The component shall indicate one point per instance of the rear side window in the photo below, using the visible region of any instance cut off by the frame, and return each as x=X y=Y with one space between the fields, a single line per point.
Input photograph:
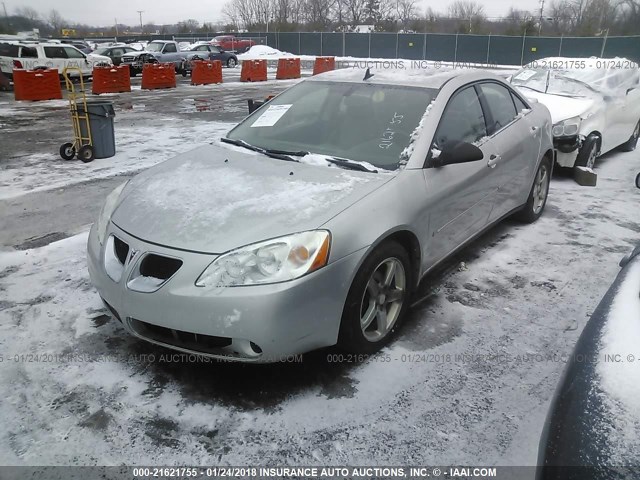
x=8 y=50
x=28 y=52
x=55 y=52
x=170 y=48
x=503 y=111
x=462 y=120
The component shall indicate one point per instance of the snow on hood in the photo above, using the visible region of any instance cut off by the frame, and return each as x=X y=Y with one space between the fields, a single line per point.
x=214 y=199
x=560 y=107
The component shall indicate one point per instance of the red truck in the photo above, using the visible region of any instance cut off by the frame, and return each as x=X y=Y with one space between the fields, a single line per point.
x=233 y=44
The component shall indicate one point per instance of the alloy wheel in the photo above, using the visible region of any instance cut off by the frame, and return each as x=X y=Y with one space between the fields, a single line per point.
x=382 y=300
x=540 y=188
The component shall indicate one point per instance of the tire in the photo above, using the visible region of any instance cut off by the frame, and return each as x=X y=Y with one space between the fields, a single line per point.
x=588 y=152
x=184 y=73
x=366 y=302
x=630 y=145
x=86 y=153
x=231 y=62
x=537 y=199
x=67 y=151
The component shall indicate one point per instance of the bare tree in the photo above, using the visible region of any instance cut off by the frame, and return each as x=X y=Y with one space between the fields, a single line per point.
x=28 y=12
x=55 y=20
x=469 y=13
x=406 y=11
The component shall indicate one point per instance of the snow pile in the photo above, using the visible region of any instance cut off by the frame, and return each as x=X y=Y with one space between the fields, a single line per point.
x=258 y=52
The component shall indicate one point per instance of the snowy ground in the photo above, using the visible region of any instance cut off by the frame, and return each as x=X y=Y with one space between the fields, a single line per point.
x=468 y=381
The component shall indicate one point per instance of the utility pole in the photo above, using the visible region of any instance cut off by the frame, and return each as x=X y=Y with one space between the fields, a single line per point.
x=140 y=12
x=540 y=19
x=116 y=20
x=5 y=9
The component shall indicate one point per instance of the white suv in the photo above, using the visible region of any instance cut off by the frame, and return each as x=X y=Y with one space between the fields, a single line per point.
x=52 y=55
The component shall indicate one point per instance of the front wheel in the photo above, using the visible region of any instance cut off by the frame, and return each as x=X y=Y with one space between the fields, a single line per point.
x=538 y=194
x=630 y=145
x=588 y=152
x=377 y=300
x=231 y=62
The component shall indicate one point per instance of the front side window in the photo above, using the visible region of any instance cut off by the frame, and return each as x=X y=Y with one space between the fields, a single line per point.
x=358 y=121
x=73 y=53
x=462 y=120
x=170 y=48
x=55 y=52
x=503 y=111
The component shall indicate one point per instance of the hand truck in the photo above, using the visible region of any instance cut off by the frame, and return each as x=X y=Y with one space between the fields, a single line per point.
x=83 y=142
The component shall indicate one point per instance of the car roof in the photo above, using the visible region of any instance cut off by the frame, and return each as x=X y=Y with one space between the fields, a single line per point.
x=433 y=78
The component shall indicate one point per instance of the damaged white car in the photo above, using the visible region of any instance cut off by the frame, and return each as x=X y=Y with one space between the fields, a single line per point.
x=594 y=104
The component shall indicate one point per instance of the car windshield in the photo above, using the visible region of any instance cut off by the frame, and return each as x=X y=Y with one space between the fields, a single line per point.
x=101 y=51
x=574 y=83
x=155 y=47
x=364 y=122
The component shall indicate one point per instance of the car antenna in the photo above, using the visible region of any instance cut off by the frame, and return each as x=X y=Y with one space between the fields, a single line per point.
x=367 y=74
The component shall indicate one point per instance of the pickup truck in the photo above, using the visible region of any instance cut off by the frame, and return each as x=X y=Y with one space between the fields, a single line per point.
x=232 y=44
x=158 y=51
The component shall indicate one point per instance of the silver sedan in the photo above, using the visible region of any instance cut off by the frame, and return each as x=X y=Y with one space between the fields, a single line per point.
x=315 y=219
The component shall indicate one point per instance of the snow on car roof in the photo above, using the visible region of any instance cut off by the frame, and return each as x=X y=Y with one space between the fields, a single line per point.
x=425 y=78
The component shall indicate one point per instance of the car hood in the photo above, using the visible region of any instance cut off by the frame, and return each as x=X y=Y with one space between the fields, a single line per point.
x=213 y=199
x=98 y=58
x=137 y=54
x=561 y=107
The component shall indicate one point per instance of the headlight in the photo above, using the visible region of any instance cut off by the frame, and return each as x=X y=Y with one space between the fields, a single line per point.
x=271 y=261
x=107 y=210
x=566 y=127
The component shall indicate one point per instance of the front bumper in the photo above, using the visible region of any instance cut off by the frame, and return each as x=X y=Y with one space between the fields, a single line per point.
x=265 y=323
x=567 y=150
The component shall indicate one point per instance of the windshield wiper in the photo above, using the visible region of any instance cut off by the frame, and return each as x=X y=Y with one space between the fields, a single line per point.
x=279 y=154
x=349 y=164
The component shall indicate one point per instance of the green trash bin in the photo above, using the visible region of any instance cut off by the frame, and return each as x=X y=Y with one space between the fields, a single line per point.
x=101 y=115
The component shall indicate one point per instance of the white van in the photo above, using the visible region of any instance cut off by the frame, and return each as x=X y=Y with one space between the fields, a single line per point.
x=31 y=55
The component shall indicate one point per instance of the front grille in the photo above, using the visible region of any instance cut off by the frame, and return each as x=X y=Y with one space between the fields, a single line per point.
x=127 y=59
x=160 y=267
x=121 y=249
x=178 y=338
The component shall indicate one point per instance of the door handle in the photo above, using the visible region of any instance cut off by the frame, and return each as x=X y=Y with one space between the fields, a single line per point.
x=493 y=161
x=534 y=131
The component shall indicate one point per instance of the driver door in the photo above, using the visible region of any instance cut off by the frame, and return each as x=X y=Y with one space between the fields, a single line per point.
x=461 y=195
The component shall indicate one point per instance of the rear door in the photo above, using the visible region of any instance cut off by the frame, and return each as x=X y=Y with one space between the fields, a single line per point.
x=517 y=142
x=462 y=194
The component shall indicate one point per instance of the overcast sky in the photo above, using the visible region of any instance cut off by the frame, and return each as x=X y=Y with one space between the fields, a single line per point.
x=102 y=13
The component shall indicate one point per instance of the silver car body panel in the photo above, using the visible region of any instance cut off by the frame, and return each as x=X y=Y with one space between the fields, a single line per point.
x=215 y=199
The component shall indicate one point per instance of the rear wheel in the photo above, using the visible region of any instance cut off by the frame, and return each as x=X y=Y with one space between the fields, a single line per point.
x=538 y=194
x=67 y=151
x=231 y=62
x=630 y=145
x=86 y=153
x=588 y=152
x=377 y=300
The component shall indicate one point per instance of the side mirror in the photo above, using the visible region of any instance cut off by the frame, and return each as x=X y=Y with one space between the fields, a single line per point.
x=638 y=181
x=455 y=152
x=630 y=90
